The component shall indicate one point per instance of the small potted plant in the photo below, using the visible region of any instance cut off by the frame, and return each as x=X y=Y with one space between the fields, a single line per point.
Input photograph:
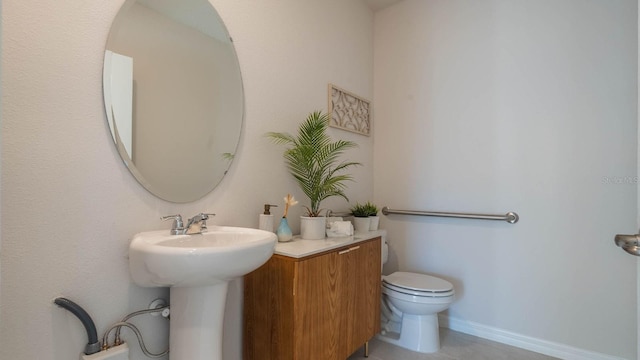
x=361 y=221
x=313 y=160
x=372 y=210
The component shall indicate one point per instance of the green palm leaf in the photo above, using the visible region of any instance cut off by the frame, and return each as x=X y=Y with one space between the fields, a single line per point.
x=312 y=159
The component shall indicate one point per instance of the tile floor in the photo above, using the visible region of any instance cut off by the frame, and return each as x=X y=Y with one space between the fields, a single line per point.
x=454 y=345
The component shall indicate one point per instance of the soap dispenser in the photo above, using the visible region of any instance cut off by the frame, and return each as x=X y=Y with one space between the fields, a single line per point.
x=266 y=218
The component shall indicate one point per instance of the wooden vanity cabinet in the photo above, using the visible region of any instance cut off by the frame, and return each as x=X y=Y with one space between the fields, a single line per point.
x=320 y=307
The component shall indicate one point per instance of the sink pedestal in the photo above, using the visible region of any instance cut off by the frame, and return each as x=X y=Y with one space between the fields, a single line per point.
x=195 y=330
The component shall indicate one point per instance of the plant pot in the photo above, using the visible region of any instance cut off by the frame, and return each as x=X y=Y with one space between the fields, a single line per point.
x=375 y=222
x=361 y=224
x=313 y=228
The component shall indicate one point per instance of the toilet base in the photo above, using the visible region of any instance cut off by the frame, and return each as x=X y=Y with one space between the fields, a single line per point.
x=418 y=333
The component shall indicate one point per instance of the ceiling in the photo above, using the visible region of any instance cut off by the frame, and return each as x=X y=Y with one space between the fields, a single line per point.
x=376 y=5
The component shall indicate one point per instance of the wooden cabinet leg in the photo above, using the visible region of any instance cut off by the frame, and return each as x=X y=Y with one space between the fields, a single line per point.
x=366 y=349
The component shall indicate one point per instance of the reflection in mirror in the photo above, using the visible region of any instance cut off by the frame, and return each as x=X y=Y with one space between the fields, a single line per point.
x=173 y=95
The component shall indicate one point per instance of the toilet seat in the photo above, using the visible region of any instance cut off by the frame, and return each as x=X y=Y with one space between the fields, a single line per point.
x=418 y=285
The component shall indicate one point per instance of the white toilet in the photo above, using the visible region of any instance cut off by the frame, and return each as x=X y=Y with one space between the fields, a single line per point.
x=410 y=306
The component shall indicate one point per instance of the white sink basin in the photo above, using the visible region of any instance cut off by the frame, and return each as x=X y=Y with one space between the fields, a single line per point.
x=158 y=259
x=197 y=268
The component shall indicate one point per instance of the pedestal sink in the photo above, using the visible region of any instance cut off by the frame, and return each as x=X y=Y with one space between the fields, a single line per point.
x=197 y=268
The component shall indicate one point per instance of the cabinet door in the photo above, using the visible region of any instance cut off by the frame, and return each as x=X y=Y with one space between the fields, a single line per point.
x=360 y=301
x=317 y=308
x=268 y=311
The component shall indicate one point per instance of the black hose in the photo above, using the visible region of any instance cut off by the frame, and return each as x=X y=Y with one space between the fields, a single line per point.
x=93 y=346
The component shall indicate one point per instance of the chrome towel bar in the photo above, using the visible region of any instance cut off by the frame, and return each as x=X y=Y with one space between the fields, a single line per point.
x=509 y=217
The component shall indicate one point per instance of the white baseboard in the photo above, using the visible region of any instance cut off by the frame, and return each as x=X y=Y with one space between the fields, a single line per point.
x=524 y=342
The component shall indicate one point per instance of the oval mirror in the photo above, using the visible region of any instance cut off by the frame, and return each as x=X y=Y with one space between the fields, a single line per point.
x=173 y=95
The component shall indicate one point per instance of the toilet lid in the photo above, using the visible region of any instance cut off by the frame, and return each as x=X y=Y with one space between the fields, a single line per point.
x=418 y=282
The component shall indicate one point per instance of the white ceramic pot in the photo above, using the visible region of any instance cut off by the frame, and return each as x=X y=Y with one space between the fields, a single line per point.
x=313 y=228
x=361 y=224
x=375 y=222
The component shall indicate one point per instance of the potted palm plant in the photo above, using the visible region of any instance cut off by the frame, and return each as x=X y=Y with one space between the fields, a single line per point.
x=313 y=159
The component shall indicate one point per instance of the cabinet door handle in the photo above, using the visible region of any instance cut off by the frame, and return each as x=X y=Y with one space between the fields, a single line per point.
x=349 y=249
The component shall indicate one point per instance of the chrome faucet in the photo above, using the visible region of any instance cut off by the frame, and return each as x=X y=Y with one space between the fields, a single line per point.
x=195 y=225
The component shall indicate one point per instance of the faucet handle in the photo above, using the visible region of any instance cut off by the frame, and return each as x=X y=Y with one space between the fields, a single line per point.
x=202 y=216
x=203 y=223
x=178 y=225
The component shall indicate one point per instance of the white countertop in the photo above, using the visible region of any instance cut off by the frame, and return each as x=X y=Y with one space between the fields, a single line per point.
x=299 y=248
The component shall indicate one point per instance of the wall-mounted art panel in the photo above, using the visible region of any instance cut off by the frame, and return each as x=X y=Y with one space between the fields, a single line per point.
x=349 y=111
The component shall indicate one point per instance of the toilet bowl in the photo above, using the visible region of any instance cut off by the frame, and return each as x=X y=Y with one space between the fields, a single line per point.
x=410 y=306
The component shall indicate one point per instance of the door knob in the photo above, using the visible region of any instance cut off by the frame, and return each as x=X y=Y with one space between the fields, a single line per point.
x=629 y=243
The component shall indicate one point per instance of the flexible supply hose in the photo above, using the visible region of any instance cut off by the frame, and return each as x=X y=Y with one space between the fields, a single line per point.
x=117 y=340
x=93 y=346
x=138 y=335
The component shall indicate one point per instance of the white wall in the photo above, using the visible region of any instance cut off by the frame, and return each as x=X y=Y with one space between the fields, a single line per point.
x=69 y=206
x=1 y=92
x=527 y=106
